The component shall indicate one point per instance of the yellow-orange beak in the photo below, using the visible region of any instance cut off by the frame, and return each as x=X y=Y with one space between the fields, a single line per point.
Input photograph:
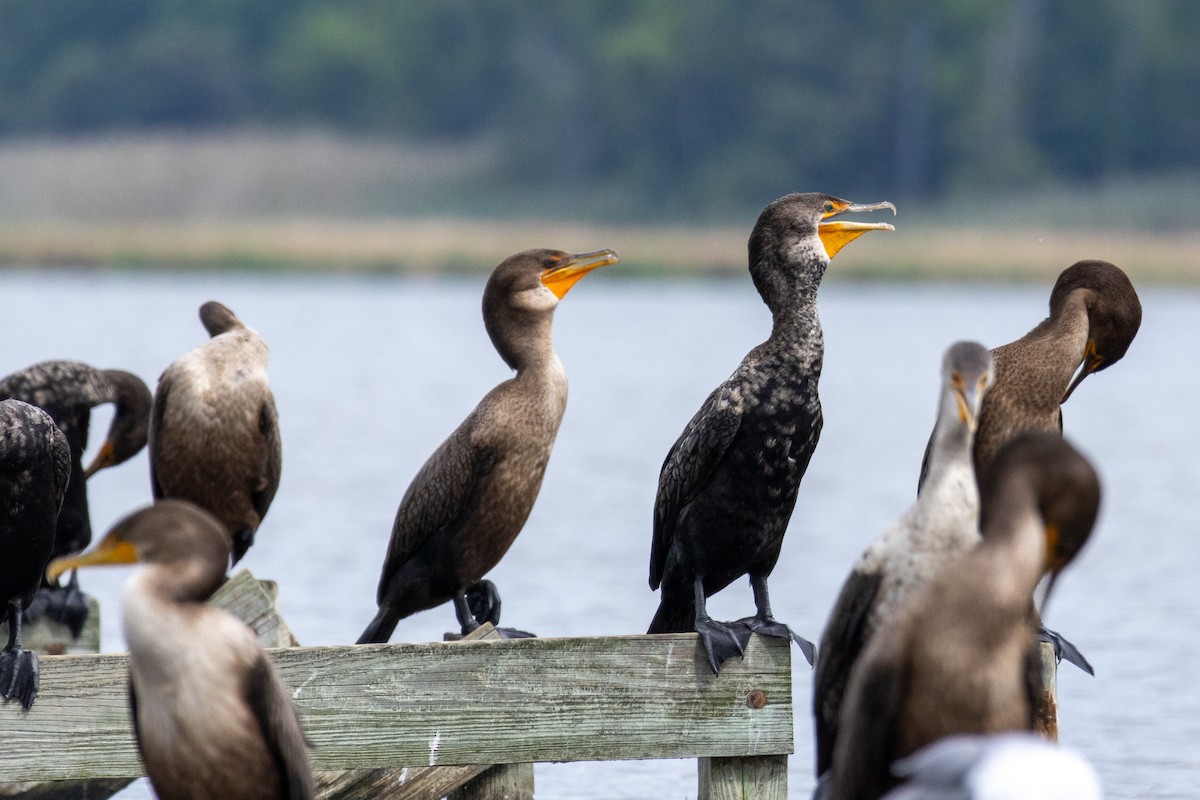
x=111 y=550
x=104 y=458
x=562 y=276
x=1092 y=361
x=839 y=233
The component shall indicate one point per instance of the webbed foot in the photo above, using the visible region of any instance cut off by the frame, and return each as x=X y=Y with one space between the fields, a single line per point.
x=773 y=627
x=721 y=642
x=19 y=676
x=513 y=633
x=1063 y=649
x=67 y=605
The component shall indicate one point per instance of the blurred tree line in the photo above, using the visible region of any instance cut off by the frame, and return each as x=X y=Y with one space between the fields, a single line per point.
x=681 y=99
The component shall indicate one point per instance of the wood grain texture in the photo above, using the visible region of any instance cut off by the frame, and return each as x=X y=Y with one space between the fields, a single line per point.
x=501 y=782
x=743 y=778
x=372 y=706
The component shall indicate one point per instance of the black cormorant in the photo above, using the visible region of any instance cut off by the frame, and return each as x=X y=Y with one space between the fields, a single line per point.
x=214 y=431
x=469 y=501
x=212 y=719
x=941 y=524
x=35 y=466
x=728 y=485
x=963 y=658
x=68 y=391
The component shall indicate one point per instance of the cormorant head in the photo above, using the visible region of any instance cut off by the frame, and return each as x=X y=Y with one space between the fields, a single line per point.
x=526 y=287
x=1114 y=313
x=130 y=424
x=170 y=532
x=800 y=229
x=218 y=319
x=1065 y=489
x=967 y=372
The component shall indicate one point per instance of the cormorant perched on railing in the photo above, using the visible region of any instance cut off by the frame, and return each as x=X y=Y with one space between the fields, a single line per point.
x=728 y=485
x=214 y=431
x=68 y=391
x=940 y=525
x=469 y=501
x=35 y=466
x=208 y=709
x=964 y=658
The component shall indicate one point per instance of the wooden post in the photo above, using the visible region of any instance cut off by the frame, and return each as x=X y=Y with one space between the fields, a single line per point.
x=743 y=778
x=1046 y=715
x=502 y=782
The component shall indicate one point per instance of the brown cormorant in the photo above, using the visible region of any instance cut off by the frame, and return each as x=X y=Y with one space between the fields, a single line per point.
x=35 y=466
x=469 y=501
x=212 y=719
x=728 y=485
x=214 y=431
x=68 y=391
x=941 y=524
x=963 y=659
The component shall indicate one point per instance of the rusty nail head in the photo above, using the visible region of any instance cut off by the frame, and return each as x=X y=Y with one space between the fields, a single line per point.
x=756 y=699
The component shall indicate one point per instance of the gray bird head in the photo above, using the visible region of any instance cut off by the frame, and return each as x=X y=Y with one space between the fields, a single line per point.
x=968 y=373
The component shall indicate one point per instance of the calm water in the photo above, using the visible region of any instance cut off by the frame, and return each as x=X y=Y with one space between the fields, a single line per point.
x=371 y=374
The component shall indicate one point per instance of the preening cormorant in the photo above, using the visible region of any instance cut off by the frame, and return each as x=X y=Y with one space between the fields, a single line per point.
x=469 y=501
x=35 y=466
x=728 y=485
x=963 y=659
x=214 y=431
x=941 y=524
x=212 y=719
x=68 y=391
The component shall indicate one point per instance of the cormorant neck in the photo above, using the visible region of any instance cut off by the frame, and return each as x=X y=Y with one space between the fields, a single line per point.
x=787 y=279
x=951 y=448
x=526 y=344
x=1015 y=537
x=183 y=581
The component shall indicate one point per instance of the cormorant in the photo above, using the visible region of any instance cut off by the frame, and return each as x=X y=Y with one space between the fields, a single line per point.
x=35 y=466
x=1006 y=766
x=214 y=431
x=212 y=719
x=941 y=524
x=728 y=485
x=963 y=659
x=68 y=391
x=469 y=501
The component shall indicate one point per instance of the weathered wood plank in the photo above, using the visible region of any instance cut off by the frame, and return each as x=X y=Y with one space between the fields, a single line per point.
x=501 y=782
x=743 y=778
x=253 y=601
x=372 y=706
x=50 y=638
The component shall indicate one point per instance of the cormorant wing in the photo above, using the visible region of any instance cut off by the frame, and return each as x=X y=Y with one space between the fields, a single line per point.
x=280 y=726
x=870 y=726
x=156 y=422
x=689 y=464
x=842 y=643
x=440 y=494
x=925 y=463
x=272 y=459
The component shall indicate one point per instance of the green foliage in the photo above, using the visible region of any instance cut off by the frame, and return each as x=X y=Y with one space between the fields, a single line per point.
x=673 y=107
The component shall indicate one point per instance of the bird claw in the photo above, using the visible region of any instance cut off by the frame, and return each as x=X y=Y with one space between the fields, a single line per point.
x=720 y=641
x=780 y=630
x=19 y=676
x=1063 y=649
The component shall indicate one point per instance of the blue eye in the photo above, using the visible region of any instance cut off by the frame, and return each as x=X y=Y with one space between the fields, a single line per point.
x=829 y=208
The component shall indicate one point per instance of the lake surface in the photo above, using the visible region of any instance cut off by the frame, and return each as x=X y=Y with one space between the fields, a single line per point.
x=370 y=374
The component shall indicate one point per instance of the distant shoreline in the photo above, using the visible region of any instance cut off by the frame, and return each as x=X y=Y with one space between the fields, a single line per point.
x=444 y=245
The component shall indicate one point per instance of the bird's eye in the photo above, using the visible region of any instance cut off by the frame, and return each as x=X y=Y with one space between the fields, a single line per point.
x=829 y=208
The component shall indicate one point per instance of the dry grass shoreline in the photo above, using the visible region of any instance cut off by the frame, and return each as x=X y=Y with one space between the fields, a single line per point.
x=435 y=245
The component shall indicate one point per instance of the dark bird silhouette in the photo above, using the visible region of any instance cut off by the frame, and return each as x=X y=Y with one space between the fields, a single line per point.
x=728 y=485
x=963 y=659
x=68 y=391
x=466 y=505
x=212 y=719
x=940 y=525
x=35 y=466
x=214 y=431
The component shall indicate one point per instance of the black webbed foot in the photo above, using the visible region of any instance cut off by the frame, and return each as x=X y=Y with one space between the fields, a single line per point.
x=513 y=633
x=773 y=627
x=19 y=676
x=39 y=604
x=67 y=605
x=483 y=599
x=1063 y=649
x=721 y=642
